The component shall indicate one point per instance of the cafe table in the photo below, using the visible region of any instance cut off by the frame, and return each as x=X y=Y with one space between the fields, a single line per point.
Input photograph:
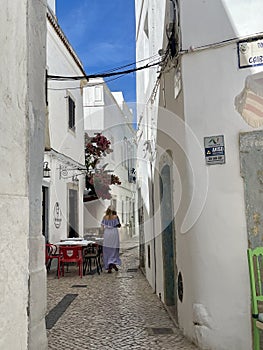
x=72 y=239
x=83 y=243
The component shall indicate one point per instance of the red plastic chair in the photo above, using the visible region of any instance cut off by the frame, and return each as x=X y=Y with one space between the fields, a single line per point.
x=52 y=253
x=71 y=254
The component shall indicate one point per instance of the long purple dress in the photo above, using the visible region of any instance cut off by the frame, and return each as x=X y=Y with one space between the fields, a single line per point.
x=111 y=243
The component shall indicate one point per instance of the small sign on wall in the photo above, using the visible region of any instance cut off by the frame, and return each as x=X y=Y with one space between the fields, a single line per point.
x=214 y=149
x=250 y=53
x=57 y=215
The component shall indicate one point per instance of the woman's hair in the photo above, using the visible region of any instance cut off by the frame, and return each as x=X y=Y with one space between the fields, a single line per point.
x=110 y=211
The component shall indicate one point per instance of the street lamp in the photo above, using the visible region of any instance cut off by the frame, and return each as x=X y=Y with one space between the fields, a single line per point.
x=46 y=170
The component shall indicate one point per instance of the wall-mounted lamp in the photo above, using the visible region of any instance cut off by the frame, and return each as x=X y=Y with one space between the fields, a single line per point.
x=46 y=170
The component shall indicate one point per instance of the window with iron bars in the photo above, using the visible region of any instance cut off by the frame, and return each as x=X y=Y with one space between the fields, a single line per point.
x=71 y=113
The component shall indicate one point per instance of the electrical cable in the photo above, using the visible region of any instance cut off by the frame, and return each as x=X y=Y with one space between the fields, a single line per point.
x=130 y=64
x=103 y=75
x=90 y=85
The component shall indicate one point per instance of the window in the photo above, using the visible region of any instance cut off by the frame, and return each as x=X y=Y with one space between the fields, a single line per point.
x=46 y=88
x=125 y=152
x=177 y=82
x=122 y=211
x=98 y=94
x=146 y=26
x=149 y=255
x=73 y=213
x=71 y=113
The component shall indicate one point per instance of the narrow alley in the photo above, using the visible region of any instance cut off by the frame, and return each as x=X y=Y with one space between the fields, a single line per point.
x=109 y=311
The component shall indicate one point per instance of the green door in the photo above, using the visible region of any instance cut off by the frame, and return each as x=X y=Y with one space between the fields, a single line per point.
x=168 y=240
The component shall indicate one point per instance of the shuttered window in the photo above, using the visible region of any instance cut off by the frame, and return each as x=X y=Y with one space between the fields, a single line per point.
x=71 y=113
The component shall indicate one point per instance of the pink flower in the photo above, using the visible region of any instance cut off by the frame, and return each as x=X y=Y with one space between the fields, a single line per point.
x=96 y=148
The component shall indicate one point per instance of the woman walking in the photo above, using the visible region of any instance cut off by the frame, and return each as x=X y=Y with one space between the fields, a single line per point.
x=111 y=242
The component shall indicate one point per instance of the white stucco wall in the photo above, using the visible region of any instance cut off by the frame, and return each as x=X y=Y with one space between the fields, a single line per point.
x=36 y=112
x=221 y=20
x=93 y=104
x=67 y=145
x=103 y=113
x=58 y=188
x=148 y=47
x=21 y=134
x=52 y=5
x=217 y=242
x=61 y=63
x=211 y=252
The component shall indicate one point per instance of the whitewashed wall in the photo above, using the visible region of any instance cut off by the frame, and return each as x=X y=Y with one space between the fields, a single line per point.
x=67 y=146
x=60 y=62
x=58 y=193
x=23 y=289
x=147 y=115
x=52 y=5
x=217 y=242
x=108 y=113
x=223 y=20
x=211 y=251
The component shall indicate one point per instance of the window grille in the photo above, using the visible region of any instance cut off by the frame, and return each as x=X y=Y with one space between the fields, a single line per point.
x=71 y=115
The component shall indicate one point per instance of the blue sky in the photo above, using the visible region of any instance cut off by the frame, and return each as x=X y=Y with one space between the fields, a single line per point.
x=102 y=32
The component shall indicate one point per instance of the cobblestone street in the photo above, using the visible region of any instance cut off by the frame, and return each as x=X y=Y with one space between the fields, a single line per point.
x=109 y=311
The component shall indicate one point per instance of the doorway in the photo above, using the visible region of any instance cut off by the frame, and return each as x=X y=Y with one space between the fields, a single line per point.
x=168 y=240
x=73 y=213
x=45 y=210
x=141 y=231
x=251 y=163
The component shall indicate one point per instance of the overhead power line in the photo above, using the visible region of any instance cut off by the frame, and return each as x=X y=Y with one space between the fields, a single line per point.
x=102 y=75
x=151 y=58
x=90 y=85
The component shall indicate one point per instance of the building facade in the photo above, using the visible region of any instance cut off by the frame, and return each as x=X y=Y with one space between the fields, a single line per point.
x=23 y=273
x=106 y=112
x=197 y=205
x=63 y=188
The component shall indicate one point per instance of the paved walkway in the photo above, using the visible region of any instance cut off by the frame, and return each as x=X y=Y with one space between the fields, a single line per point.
x=109 y=311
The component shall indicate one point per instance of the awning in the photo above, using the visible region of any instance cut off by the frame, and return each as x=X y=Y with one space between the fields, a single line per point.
x=249 y=103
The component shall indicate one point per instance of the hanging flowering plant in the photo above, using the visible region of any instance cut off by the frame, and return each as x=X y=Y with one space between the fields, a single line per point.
x=97 y=147
x=98 y=180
